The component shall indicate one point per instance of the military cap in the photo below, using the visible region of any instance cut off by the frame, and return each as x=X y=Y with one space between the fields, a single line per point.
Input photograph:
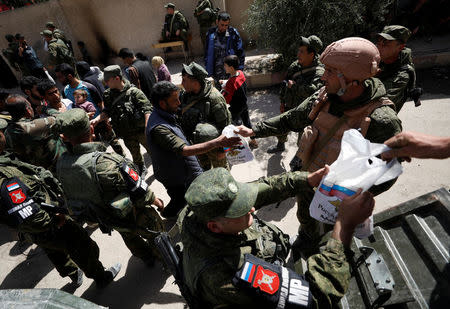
x=205 y=132
x=170 y=5
x=395 y=32
x=312 y=41
x=215 y=193
x=111 y=71
x=9 y=37
x=73 y=122
x=3 y=124
x=47 y=33
x=50 y=24
x=195 y=70
x=19 y=36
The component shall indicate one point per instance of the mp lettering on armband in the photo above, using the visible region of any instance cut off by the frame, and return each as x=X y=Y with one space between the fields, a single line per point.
x=298 y=293
x=16 y=200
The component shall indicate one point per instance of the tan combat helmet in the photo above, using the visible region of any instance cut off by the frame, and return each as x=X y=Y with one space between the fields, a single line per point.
x=355 y=58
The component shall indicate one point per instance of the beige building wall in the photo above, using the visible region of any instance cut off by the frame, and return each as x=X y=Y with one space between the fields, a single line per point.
x=109 y=24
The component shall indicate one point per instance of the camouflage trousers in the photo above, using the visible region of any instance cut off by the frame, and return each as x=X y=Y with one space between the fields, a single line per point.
x=203 y=30
x=70 y=248
x=141 y=241
x=133 y=142
x=212 y=159
x=310 y=229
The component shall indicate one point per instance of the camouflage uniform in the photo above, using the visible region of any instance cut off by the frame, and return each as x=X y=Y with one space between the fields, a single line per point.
x=307 y=81
x=206 y=19
x=108 y=179
x=383 y=125
x=127 y=109
x=172 y=23
x=11 y=54
x=59 y=53
x=68 y=246
x=210 y=260
x=207 y=106
x=35 y=141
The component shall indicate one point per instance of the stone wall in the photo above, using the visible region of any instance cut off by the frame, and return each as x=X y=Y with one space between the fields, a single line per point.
x=111 y=24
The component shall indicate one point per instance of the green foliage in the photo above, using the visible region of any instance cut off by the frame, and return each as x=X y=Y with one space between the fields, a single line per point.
x=278 y=24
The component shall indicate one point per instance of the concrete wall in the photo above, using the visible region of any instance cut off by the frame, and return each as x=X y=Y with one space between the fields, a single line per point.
x=108 y=24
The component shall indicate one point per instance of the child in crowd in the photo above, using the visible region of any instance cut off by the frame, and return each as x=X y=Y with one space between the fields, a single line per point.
x=81 y=101
x=235 y=92
x=162 y=70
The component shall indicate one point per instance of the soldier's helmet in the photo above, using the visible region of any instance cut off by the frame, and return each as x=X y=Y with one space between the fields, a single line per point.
x=356 y=58
x=205 y=132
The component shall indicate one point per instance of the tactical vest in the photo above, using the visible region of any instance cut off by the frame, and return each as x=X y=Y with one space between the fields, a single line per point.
x=146 y=76
x=43 y=187
x=316 y=147
x=198 y=110
x=125 y=117
x=267 y=242
x=170 y=168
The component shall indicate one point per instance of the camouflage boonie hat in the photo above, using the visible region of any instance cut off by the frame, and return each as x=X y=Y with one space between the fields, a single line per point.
x=395 y=32
x=111 y=71
x=47 y=33
x=73 y=122
x=205 y=132
x=312 y=41
x=170 y=5
x=50 y=24
x=215 y=194
x=195 y=70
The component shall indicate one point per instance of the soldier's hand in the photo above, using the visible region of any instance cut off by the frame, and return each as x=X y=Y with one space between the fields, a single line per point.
x=355 y=209
x=417 y=145
x=290 y=83
x=158 y=203
x=167 y=34
x=177 y=33
x=244 y=131
x=223 y=141
x=315 y=178
x=61 y=220
x=282 y=107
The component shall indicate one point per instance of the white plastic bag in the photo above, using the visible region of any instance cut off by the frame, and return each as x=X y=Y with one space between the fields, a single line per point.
x=238 y=154
x=356 y=167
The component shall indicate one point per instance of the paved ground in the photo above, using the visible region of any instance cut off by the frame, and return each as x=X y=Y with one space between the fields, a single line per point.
x=140 y=287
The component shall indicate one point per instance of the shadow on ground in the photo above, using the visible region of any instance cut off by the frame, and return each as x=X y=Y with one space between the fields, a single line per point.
x=140 y=285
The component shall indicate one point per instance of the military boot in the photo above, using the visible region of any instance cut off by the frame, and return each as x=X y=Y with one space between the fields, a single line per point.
x=108 y=276
x=279 y=147
x=77 y=278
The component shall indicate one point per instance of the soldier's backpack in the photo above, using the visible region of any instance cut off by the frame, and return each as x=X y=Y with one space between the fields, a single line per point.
x=26 y=188
x=124 y=115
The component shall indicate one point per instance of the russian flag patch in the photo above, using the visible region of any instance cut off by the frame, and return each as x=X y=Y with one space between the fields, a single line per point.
x=248 y=272
x=12 y=186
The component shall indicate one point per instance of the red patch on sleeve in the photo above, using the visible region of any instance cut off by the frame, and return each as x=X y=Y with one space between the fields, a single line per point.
x=266 y=280
x=17 y=196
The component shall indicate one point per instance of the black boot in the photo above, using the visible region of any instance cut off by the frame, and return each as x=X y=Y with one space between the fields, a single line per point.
x=77 y=278
x=108 y=276
x=279 y=147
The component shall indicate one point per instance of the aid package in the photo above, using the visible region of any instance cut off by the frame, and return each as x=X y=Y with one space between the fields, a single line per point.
x=238 y=154
x=356 y=167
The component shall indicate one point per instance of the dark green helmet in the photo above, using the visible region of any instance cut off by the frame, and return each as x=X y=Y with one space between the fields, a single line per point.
x=205 y=132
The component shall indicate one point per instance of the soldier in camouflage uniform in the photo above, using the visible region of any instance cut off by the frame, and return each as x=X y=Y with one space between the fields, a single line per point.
x=11 y=52
x=33 y=141
x=351 y=98
x=302 y=80
x=59 y=34
x=129 y=110
x=175 y=26
x=106 y=188
x=32 y=202
x=397 y=68
x=219 y=230
x=206 y=17
x=57 y=50
x=202 y=102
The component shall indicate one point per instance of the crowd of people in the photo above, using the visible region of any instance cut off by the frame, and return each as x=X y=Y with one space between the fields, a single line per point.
x=56 y=173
